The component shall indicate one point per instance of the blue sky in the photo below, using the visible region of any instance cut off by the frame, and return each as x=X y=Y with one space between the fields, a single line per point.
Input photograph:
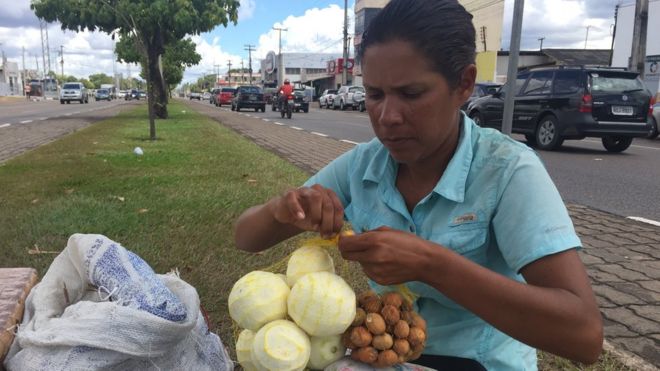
x=314 y=26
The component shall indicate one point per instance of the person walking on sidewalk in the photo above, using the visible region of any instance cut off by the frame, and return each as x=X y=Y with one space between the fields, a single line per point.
x=27 y=91
x=466 y=217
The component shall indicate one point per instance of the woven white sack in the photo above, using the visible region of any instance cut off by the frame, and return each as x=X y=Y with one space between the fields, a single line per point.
x=100 y=306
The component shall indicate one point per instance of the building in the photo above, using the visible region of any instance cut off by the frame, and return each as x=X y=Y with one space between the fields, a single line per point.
x=488 y=16
x=10 y=82
x=237 y=78
x=623 y=42
x=311 y=69
x=552 y=57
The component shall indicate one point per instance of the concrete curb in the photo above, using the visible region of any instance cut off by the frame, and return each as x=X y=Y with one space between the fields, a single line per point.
x=629 y=359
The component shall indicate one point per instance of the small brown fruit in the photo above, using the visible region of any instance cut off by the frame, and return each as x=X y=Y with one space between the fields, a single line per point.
x=346 y=339
x=365 y=355
x=390 y=314
x=373 y=305
x=418 y=321
x=414 y=355
x=360 y=315
x=401 y=346
x=418 y=348
x=406 y=305
x=366 y=296
x=407 y=316
x=401 y=329
x=382 y=342
x=375 y=323
x=392 y=298
x=416 y=336
x=387 y=358
x=360 y=336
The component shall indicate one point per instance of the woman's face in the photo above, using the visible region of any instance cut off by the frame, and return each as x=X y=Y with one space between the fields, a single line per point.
x=412 y=108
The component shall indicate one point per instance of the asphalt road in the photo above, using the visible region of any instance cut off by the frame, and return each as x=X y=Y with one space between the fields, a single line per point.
x=626 y=184
x=24 y=112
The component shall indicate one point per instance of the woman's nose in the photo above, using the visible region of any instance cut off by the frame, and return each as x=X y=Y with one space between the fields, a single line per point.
x=390 y=112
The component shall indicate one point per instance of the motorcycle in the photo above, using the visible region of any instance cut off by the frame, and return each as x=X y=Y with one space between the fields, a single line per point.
x=286 y=106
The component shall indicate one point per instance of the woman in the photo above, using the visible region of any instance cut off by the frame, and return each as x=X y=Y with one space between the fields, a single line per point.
x=466 y=217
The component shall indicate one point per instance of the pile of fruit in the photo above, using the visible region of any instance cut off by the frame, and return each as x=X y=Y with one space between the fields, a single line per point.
x=310 y=316
x=386 y=331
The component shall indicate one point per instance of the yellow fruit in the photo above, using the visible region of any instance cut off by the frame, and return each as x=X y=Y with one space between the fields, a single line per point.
x=281 y=345
x=244 y=350
x=258 y=298
x=308 y=259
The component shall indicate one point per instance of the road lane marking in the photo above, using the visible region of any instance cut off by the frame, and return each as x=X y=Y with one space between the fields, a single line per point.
x=76 y=112
x=267 y=120
x=68 y=114
x=278 y=123
x=348 y=141
x=4 y=125
x=319 y=134
x=26 y=121
x=296 y=128
x=43 y=118
x=644 y=220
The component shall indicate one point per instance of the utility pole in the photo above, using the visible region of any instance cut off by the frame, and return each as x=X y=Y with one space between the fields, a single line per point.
x=250 y=49
x=541 y=40
x=280 y=63
x=62 y=60
x=482 y=31
x=344 y=72
x=586 y=38
x=217 y=74
x=24 y=71
x=229 y=71
x=616 y=15
x=514 y=50
x=638 y=51
x=242 y=72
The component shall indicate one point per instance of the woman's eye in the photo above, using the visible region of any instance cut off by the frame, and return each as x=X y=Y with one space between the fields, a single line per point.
x=411 y=95
x=374 y=95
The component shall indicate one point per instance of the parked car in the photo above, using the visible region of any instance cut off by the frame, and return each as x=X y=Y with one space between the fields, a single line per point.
x=327 y=97
x=121 y=94
x=143 y=94
x=195 y=95
x=206 y=95
x=224 y=96
x=557 y=103
x=249 y=97
x=74 y=91
x=481 y=89
x=655 y=119
x=349 y=96
x=132 y=94
x=269 y=94
x=300 y=101
x=214 y=94
x=102 y=94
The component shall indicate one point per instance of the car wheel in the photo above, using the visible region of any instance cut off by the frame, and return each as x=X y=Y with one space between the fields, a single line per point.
x=547 y=134
x=289 y=114
x=363 y=106
x=263 y=109
x=61 y=101
x=238 y=108
x=616 y=143
x=256 y=109
x=232 y=107
x=306 y=110
x=477 y=118
x=654 y=129
x=341 y=105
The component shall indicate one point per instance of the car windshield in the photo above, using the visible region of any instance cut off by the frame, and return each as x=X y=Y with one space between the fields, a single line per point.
x=71 y=86
x=332 y=91
x=615 y=83
x=227 y=90
x=101 y=91
x=250 y=89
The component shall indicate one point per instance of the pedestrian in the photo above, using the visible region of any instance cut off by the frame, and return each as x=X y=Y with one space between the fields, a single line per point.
x=27 y=91
x=466 y=217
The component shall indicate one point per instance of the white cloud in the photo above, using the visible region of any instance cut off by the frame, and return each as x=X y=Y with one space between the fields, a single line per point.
x=214 y=59
x=246 y=10
x=317 y=30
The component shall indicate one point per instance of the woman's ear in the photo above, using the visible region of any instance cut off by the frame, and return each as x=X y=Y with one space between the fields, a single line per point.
x=466 y=83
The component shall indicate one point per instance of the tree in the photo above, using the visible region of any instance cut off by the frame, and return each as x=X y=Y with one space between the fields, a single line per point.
x=100 y=78
x=178 y=55
x=153 y=23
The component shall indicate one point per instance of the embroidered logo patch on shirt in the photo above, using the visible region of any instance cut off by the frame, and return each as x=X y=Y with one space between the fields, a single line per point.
x=469 y=217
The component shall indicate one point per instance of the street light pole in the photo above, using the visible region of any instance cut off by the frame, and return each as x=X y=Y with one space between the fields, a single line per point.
x=280 y=63
x=344 y=73
x=514 y=49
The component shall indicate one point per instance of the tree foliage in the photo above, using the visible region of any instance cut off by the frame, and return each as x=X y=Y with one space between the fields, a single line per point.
x=154 y=23
x=100 y=78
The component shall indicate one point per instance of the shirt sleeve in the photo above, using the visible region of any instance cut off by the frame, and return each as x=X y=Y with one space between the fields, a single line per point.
x=336 y=176
x=531 y=220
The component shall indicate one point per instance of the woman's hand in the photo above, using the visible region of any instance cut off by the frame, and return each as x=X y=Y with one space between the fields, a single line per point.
x=387 y=256
x=312 y=208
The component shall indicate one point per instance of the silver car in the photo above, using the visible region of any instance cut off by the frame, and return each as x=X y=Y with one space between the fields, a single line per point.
x=655 y=119
x=327 y=98
x=75 y=91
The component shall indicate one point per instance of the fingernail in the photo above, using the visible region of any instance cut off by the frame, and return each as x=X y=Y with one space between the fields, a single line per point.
x=300 y=215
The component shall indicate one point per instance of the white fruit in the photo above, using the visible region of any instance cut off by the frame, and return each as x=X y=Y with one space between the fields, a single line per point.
x=258 y=298
x=308 y=259
x=280 y=345
x=244 y=350
x=322 y=304
x=325 y=350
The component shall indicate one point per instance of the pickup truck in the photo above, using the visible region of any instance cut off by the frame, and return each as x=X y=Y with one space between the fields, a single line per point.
x=194 y=95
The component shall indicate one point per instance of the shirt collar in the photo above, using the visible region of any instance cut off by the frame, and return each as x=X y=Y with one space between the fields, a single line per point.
x=452 y=184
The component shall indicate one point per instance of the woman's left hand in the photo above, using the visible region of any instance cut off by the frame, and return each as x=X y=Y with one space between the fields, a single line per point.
x=387 y=256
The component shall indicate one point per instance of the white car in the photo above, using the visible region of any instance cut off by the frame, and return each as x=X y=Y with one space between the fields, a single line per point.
x=206 y=95
x=74 y=91
x=327 y=97
x=655 y=120
x=349 y=96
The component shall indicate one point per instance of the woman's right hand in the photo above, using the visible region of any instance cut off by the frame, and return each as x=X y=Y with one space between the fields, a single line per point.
x=312 y=208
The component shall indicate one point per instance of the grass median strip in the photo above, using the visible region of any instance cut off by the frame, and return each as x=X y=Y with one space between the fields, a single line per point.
x=174 y=206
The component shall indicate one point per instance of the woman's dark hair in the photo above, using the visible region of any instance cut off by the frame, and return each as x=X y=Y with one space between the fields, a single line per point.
x=441 y=29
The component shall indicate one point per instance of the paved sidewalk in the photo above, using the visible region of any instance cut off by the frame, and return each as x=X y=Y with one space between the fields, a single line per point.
x=622 y=256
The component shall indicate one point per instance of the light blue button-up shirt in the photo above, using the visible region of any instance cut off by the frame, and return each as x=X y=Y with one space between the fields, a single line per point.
x=495 y=204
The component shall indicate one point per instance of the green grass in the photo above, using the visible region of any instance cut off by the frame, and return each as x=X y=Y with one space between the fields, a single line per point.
x=180 y=200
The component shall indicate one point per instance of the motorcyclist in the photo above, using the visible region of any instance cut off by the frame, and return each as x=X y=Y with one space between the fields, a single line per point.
x=285 y=90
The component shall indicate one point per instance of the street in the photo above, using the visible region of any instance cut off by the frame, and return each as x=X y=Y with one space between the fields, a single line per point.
x=626 y=184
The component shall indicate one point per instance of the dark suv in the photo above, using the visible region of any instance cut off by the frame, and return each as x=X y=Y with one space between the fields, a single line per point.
x=249 y=97
x=300 y=101
x=557 y=103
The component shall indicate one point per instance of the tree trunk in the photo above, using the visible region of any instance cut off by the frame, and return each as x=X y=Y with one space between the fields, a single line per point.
x=152 y=63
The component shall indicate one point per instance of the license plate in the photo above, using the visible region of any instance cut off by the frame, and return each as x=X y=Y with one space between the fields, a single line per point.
x=290 y=101
x=297 y=104
x=622 y=110
x=253 y=98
